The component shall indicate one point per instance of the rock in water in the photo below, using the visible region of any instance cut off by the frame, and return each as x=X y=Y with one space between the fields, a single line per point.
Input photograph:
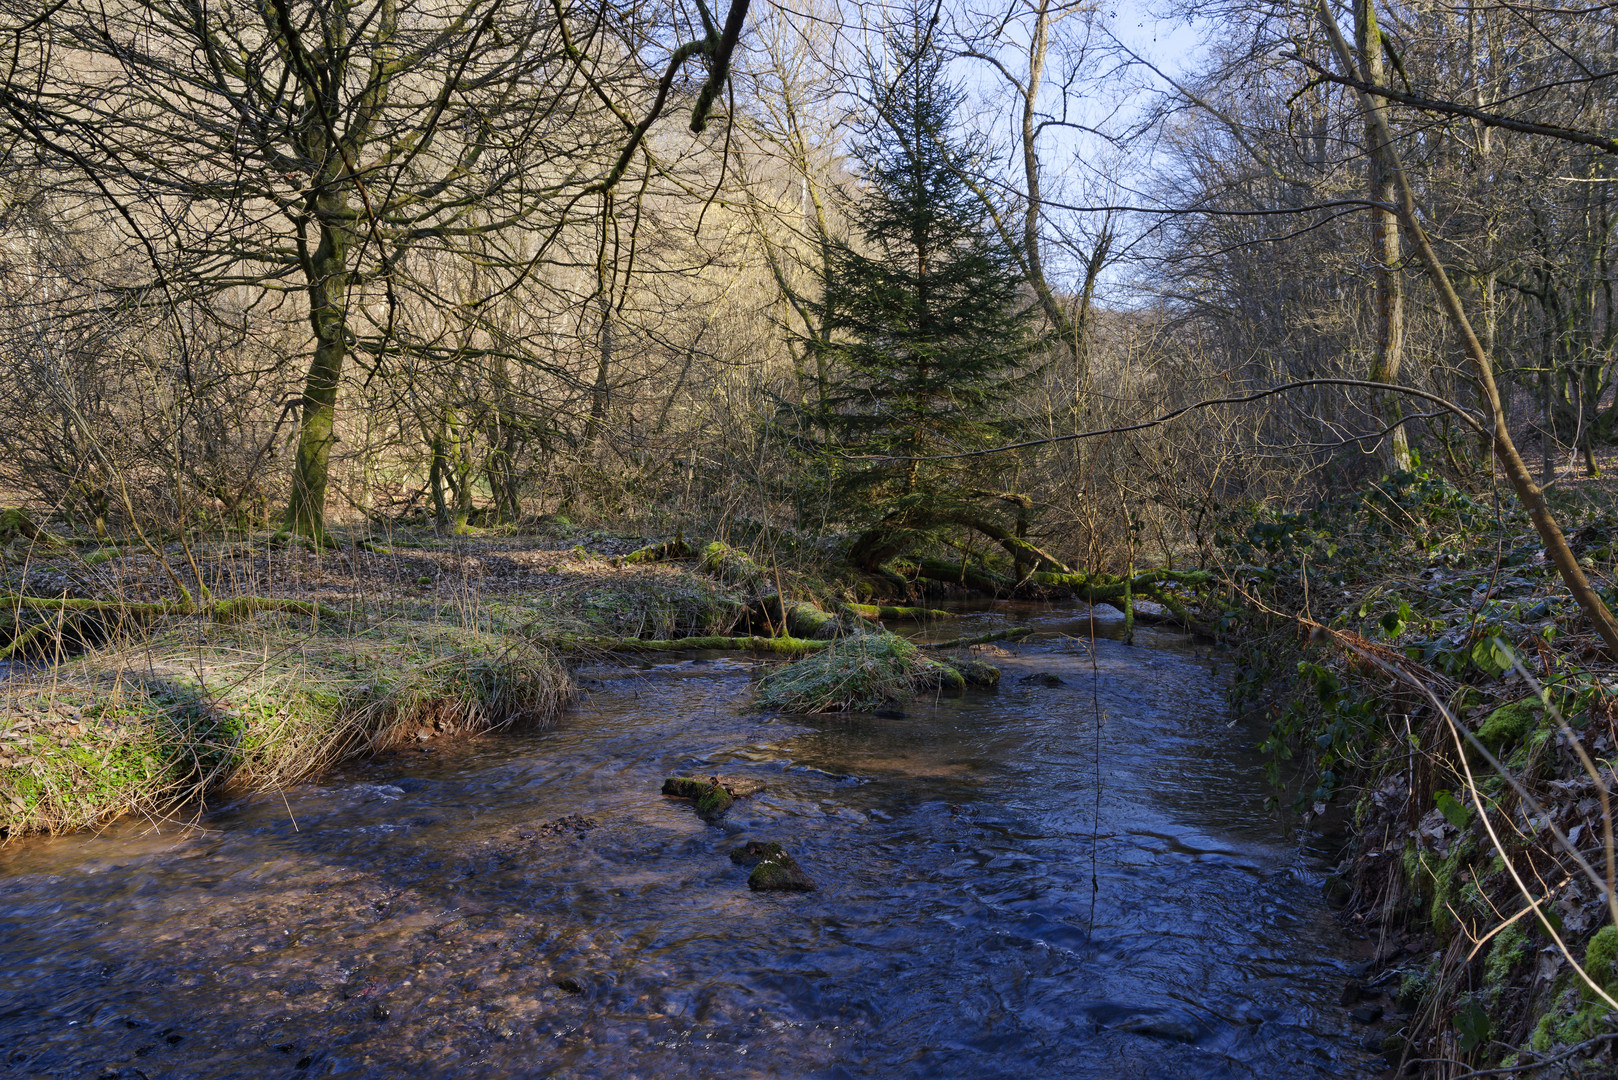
x=713 y=803
x=754 y=850
x=685 y=787
x=714 y=795
x=977 y=673
x=773 y=869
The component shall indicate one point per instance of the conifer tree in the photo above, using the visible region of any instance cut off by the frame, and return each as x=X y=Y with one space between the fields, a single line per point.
x=926 y=331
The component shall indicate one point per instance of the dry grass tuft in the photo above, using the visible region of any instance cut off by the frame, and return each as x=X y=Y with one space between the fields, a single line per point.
x=855 y=674
x=198 y=709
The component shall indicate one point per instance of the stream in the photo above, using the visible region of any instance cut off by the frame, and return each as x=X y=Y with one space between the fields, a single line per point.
x=1007 y=888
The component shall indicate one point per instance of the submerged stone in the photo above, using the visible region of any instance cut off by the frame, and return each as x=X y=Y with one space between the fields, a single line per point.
x=1160 y=1027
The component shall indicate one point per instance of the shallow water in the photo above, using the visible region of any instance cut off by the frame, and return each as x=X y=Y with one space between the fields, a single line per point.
x=1007 y=889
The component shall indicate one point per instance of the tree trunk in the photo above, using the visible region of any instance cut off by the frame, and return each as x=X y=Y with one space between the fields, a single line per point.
x=327 y=270
x=437 y=476
x=1385 y=246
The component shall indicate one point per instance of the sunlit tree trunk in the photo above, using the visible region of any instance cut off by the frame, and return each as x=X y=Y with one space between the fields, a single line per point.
x=1385 y=245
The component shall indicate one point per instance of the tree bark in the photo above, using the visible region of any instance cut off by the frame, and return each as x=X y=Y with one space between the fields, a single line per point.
x=1385 y=246
x=327 y=270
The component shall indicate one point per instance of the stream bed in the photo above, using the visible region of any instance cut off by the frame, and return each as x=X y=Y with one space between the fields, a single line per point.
x=1007 y=888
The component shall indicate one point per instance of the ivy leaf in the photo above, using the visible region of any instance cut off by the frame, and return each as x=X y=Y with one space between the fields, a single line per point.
x=1454 y=812
x=1395 y=622
x=1473 y=1024
x=1488 y=656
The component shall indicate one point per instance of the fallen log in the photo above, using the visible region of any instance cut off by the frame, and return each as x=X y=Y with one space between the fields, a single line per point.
x=1016 y=634
x=888 y=611
x=780 y=646
x=674 y=548
x=972 y=577
x=71 y=608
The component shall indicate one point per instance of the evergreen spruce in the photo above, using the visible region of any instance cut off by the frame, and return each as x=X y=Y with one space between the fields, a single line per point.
x=926 y=332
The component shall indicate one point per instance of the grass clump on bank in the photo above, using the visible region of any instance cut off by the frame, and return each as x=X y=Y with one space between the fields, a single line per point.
x=856 y=674
x=200 y=709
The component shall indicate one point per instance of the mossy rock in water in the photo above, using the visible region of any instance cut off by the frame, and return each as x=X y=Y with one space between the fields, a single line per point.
x=773 y=870
x=1509 y=724
x=976 y=672
x=685 y=787
x=755 y=850
x=713 y=803
x=693 y=787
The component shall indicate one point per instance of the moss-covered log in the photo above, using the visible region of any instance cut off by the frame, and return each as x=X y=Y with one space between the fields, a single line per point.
x=731 y=566
x=1016 y=634
x=780 y=646
x=237 y=607
x=15 y=523
x=972 y=577
x=63 y=613
x=797 y=618
x=675 y=548
x=888 y=611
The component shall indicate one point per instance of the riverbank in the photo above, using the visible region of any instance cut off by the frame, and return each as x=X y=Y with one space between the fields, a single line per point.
x=159 y=677
x=1421 y=666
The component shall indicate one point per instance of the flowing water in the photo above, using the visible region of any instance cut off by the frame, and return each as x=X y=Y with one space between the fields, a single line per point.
x=1008 y=888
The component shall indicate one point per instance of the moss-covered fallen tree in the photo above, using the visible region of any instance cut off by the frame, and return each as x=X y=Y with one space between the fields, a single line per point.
x=1165 y=587
x=673 y=548
x=899 y=612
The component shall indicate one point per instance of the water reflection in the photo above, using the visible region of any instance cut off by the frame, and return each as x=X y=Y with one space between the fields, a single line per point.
x=1007 y=889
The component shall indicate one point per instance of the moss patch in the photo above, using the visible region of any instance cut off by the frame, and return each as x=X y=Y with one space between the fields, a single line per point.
x=1601 y=963
x=1509 y=724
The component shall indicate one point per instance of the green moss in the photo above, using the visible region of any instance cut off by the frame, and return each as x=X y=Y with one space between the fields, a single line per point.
x=976 y=672
x=1599 y=957
x=1509 y=724
x=1505 y=953
x=1544 y=1031
x=714 y=801
x=1414 y=986
x=1590 y=1017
